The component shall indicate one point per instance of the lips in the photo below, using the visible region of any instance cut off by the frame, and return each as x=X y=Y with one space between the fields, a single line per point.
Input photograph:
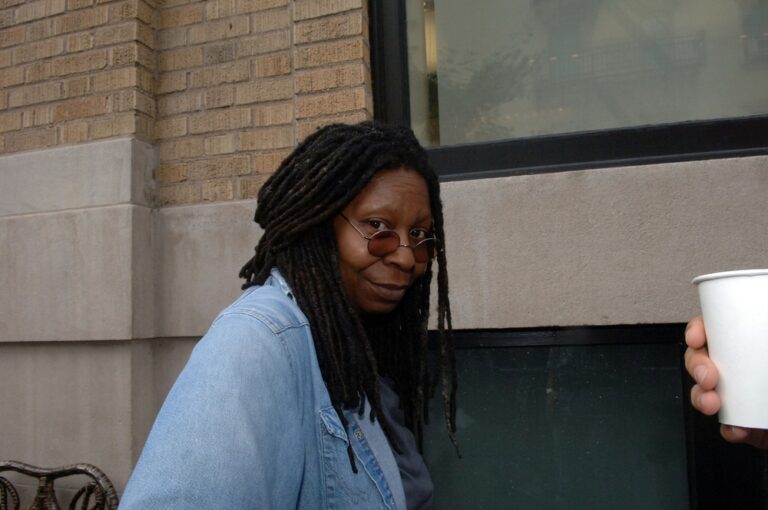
x=389 y=292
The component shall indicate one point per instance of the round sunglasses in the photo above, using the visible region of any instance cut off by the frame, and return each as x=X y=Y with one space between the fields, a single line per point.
x=383 y=242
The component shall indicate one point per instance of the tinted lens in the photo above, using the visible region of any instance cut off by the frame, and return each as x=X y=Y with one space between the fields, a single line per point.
x=383 y=243
x=424 y=251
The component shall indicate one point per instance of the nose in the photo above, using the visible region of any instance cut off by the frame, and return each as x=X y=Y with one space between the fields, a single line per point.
x=402 y=257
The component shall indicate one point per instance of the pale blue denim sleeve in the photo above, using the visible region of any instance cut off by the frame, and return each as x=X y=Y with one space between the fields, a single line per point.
x=229 y=434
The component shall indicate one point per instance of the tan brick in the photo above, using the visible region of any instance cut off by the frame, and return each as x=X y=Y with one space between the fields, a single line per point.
x=11 y=76
x=219 y=9
x=181 y=16
x=123 y=124
x=40 y=30
x=29 y=139
x=266 y=163
x=331 y=103
x=115 y=79
x=40 y=9
x=38 y=51
x=76 y=86
x=220 y=120
x=219 y=53
x=11 y=36
x=131 y=53
x=38 y=71
x=272 y=65
x=10 y=121
x=273 y=114
x=304 y=9
x=6 y=18
x=79 y=42
x=131 y=99
x=73 y=5
x=6 y=58
x=80 y=108
x=216 y=75
x=73 y=133
x=115 y=34
x=145 y=34
x=219 y=167
x=169 y=173
x=245 y=6
x=81 y=20
x=267 y=138
x=182 y=148
x=333 y=27
x=171 y=128
x=37 y=116
x=248 y=187
x=144 y=127
x=145 y=80
x=217 y=190
x=179 y=103
x=33 y=94
x=218 y=97
x=267 y=89
x=270 y=20
x=172 y=82
x=221 y=144
x=79 y=63
x=10 y=3
x=264 y=43
x=185 y=193
x=171 y=38
x=306 y=127
x=318 y=80
x=218 y=30
x=3 y=100
x=329 y=53
x=182 y=58
x=130 y=9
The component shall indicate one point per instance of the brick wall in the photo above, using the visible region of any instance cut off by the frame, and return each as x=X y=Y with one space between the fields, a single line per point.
x=74 y=70
x=240 y=81
x=225 y=88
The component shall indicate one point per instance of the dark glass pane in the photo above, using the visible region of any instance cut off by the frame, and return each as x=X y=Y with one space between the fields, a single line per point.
x=573 y=427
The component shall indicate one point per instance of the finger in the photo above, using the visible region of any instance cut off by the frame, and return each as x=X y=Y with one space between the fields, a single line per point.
x=700 y=366
x=734 y=434
x=707 y=402
x=695 y=336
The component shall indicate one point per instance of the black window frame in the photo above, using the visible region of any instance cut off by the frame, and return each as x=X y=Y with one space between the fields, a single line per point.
x=637 y=145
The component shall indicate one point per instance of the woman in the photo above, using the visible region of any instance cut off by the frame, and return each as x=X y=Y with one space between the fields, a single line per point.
x=310 y=390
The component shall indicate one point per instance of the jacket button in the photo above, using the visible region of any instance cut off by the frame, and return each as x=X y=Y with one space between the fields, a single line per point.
x=359 y=434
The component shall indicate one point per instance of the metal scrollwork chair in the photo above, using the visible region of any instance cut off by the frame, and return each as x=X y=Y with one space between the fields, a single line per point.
x=98 y=493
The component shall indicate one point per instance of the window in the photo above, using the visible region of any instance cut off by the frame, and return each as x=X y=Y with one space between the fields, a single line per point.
x=544 y=85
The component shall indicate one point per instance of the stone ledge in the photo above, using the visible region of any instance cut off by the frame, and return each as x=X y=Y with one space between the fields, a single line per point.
x=117 y=171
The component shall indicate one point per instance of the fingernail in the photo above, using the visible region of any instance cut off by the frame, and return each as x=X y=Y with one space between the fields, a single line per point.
x=699 y=373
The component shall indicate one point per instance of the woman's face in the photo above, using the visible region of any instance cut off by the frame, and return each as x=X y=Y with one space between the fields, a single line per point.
x=395 y=199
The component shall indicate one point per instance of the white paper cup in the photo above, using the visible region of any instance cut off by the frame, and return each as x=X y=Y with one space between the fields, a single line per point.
x=735 y=309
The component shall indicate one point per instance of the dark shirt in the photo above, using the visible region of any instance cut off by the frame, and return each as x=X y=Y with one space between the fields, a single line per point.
x=417 y=484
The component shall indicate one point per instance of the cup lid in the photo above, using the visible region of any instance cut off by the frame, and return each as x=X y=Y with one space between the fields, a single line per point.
x=730 y=274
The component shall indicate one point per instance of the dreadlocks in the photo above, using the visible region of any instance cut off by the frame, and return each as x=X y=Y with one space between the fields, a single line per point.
x=296 y=208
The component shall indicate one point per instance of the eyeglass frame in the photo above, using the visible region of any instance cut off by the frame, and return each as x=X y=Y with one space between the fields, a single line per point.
x=399 y=239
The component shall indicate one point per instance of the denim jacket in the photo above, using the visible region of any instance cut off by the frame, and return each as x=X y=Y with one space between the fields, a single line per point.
x=249 y=424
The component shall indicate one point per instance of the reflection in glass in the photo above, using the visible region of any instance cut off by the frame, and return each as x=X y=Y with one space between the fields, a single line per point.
x=500 y=69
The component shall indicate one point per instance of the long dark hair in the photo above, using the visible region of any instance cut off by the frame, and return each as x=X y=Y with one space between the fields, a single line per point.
x=296 y=209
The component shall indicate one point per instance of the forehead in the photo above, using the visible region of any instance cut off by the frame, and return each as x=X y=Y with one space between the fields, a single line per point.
x=398 y=189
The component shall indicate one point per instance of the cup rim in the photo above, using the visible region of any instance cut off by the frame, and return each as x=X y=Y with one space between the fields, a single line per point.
x=729 y=274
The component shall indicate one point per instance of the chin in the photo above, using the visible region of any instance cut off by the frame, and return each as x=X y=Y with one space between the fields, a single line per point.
x=378 y=308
